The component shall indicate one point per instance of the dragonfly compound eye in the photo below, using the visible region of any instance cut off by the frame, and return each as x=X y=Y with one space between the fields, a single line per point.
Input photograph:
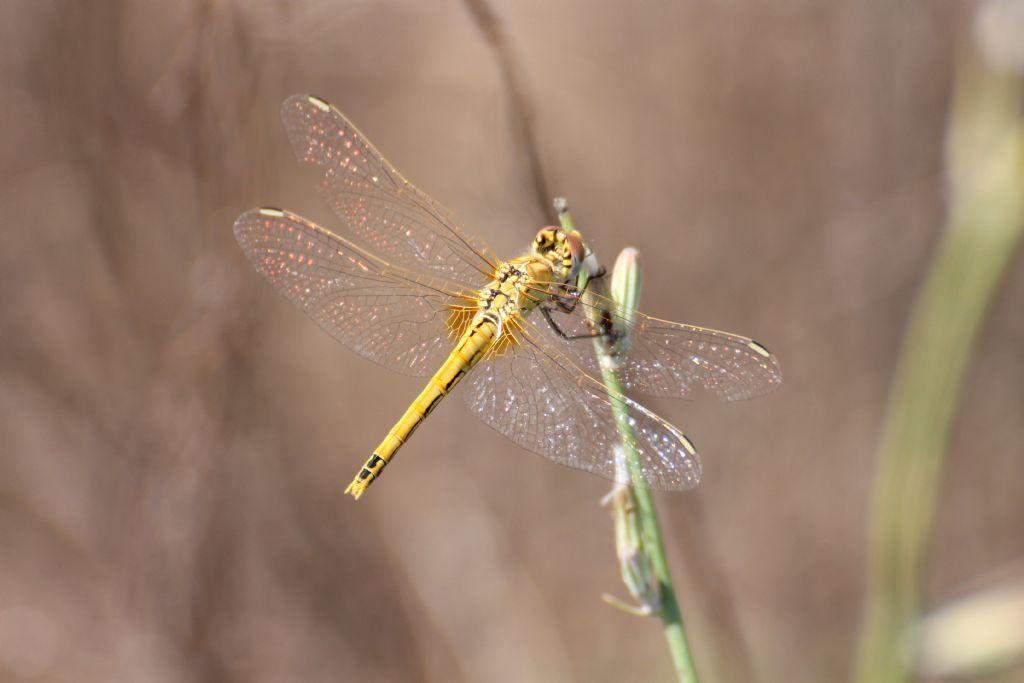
x=574 y=251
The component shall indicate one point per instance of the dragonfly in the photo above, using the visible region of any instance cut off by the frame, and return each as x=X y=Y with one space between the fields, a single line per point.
x=413 y=291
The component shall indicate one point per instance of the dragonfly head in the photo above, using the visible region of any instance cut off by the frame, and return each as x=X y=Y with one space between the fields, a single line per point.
x=564 y=250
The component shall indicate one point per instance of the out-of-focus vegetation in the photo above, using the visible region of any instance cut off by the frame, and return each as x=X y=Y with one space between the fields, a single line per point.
x=176 y=438
x=985 y=156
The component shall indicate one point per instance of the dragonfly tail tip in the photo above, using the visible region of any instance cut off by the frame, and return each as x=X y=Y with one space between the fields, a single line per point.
x=355 y=489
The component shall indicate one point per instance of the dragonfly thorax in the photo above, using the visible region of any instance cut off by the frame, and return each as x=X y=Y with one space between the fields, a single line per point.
x=518 y=287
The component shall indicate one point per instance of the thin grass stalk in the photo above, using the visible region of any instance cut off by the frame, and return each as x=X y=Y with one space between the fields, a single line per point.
x=626 y=296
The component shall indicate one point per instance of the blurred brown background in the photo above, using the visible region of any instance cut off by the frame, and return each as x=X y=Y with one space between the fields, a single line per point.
x=176 y=437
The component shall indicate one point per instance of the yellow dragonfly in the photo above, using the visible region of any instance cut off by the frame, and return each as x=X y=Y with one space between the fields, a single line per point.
x=414 y=292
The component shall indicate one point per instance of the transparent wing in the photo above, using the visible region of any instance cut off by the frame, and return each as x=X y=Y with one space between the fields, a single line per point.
x=381 y=208
x=662 y=358
x=536 y=396
x=381 y=311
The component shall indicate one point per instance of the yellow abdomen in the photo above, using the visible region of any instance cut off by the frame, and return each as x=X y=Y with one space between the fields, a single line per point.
x=474 y=343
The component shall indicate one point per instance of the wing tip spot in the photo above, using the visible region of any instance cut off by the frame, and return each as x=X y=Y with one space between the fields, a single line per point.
x=687 y=444
x=271 y=211
x=318 y=103
x=759 y=349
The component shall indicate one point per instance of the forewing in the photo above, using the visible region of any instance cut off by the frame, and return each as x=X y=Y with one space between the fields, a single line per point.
x=381 y=208
x=381 y=311
x=540 y=399
x=663 y=358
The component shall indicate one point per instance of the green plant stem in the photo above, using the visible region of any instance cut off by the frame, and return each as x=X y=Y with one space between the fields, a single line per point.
x=671 y=618
x=985 y=226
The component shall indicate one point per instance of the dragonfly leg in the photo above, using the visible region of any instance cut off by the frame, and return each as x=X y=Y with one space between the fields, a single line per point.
x=568 y=303
x=546 y=312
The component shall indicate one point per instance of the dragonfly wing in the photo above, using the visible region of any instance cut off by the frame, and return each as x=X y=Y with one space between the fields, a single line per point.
x=384 y=210
x=666 y=358
x=663 y=358
x=540 y=399
x=379 y=310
